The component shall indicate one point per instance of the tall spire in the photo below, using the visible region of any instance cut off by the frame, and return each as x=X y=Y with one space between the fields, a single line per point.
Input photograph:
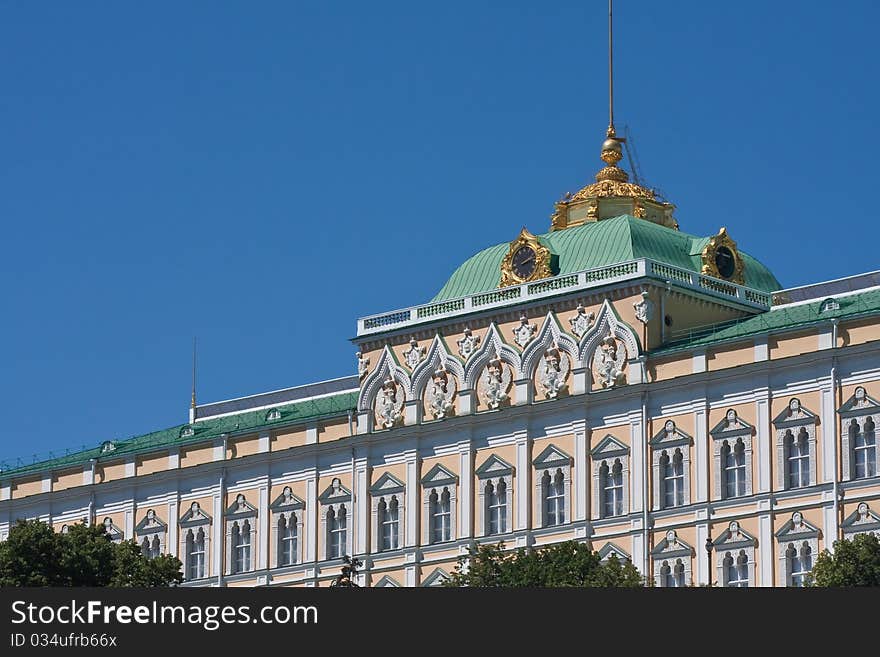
x=610 y=132
x=193 y=403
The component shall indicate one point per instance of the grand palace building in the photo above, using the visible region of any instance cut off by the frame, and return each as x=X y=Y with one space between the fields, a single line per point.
x=615 y=380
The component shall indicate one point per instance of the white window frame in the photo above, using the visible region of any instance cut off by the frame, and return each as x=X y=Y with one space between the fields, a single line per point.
x=553 y=460
x=794 y=418
x=859 y=408
x=796 y=533
x=728 y=431
x=496 y=470
x=336 y=497
x=606 y=454
x=152 y=529
x=386 y=487
x=669 y=552
x=664 y=444
x=116 y=535
x=731 y=543
x=194 y=519
x=238 y=512
x=292 y=509
x=437 y=480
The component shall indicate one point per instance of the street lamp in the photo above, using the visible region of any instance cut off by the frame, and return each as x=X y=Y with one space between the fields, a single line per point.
x=348 y=574
x=709 y=559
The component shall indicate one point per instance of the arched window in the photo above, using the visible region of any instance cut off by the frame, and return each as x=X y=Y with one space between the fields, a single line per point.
x=673 y=479
x=734 y=469
x=800 y=563
x=440 y=515
x=336 y=530
x=798 y=454
x=496 y=507
x=287 y=540
x=737 y=569
x=241 y=547
x=611 y=481
x=389 y=523
x=195 y=554
x=864 y=449
x=554 y=498
x=672 y=576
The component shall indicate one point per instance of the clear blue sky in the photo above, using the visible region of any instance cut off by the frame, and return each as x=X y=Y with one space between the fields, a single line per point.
x=262 y=174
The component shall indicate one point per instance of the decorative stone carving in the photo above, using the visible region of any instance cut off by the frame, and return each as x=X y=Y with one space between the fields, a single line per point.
x=496 y=383
x=524 y=333
x=554 y=372
x=609 y=362
x=414 y=354
x=441 y=390
x=582 y=321
x=363 y=364
x=468 y=344
x=644 y=308
x=389 y=405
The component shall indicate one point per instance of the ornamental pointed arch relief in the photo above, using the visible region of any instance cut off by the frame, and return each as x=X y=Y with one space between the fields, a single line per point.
x=611 y=349
x=549 y=358
x=436 y=380
x=384 y=391
x=494 y=346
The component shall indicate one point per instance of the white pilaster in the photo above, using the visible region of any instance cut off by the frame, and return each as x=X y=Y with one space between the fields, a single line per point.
x=581 y=473
x=174 y=459
x=523 y=391
x=579 y=380
x=765 y=441
x=523 y=477
x=702 y=575
x=218 y=544
x=172 y=545
x=466 y=498
x=466 y=402
x=829 y=420
x=312 y=518
x=263 y=442
x=637 y=462
x=263 y=523
x=47 y=482
x=129 y=466
x=363 y=506
x=762 y=350
x=701 y=453
x=412 y=499
x=765 y=549
x=311 y=434
x=699 y=362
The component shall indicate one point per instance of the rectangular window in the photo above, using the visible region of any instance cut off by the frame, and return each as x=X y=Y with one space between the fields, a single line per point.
x=555 y=502
x=735 y=470
x=195 y=555
x=673 y=481
x=798 y=464
x=288 y=530
x=865 y=455
x=337 y=527
x=390 y=525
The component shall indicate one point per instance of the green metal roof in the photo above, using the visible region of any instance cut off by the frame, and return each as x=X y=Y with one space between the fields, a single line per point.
x=777 y=319
x=202 y=430
x=598 y=244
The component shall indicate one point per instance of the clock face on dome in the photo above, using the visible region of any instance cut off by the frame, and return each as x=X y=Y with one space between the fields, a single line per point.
x=725 y=261
x=524 y=262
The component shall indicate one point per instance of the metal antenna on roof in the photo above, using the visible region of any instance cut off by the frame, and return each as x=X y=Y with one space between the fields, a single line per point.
x=192 y=409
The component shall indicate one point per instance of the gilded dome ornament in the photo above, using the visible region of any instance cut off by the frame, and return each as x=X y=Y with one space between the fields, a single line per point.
x=526 y=260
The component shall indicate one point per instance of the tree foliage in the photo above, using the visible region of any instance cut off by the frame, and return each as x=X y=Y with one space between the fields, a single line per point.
x=855 y=562
x=35 y=555
x=562 y=564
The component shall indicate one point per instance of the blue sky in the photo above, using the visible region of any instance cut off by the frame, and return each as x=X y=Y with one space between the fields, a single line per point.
x=262 y=174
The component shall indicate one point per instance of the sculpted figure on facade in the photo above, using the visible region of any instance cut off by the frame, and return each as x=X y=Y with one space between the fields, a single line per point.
x=440 y=393
x=554 y=372
x=609 y=362
x=468 y=344
x=496 y=383
x=363 y=364
x=389 y=404
x=644 y=308
x=524 y=333
x=582 y=321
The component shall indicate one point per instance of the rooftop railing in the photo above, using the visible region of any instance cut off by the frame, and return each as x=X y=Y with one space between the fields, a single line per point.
x=583 y=280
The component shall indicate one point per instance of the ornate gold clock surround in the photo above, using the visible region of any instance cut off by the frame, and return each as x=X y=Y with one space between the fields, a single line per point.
x=710 y=267
x=542 y=260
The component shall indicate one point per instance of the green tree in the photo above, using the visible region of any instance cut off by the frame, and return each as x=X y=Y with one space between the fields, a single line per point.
x=34 y=555
x=854 y=562
x=562 y=564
